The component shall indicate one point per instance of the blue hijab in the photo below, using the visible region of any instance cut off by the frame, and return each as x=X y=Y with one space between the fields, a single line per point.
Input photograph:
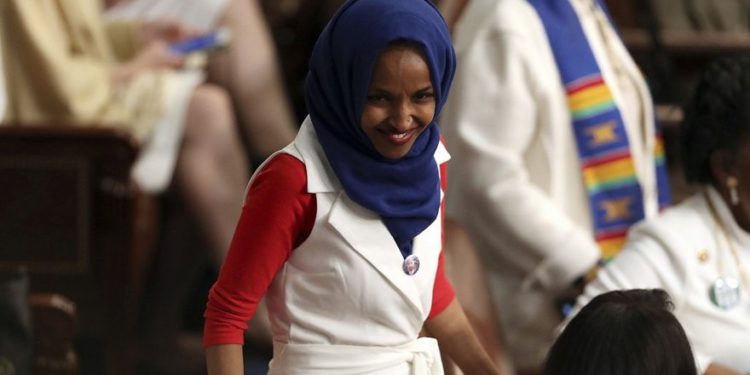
x=404 y=192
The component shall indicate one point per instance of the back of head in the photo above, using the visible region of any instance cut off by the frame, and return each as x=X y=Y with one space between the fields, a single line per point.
x=717 y=117
x=629 y=332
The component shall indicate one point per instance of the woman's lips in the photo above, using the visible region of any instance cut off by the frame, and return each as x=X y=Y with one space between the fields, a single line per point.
x=398 y=138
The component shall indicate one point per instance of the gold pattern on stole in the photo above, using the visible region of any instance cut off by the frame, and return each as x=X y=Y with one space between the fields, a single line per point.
x=617 y=209
x=603 y=133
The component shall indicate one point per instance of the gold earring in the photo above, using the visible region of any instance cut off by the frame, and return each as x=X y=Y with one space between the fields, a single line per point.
x=732 y=185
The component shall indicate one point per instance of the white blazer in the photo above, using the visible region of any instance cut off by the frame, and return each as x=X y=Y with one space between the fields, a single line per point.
x=516 y=184
x=342 y=304
x=684 y=252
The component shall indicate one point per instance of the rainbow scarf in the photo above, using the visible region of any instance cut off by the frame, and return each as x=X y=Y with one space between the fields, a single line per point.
x=604 y=151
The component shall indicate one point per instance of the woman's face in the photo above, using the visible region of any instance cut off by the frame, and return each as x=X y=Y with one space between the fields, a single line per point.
x=400 y=102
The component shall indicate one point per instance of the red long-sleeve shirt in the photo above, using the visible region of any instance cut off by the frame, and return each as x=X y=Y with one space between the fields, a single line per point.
x=277 y=217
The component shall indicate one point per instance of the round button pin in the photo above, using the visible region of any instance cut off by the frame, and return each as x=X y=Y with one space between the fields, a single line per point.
x=411 y=265
x=725 y=292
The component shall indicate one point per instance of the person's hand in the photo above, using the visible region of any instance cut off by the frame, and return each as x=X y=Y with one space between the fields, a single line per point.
x=156 y=55
x=567 y=298
x=715 y=369
x=165 y=31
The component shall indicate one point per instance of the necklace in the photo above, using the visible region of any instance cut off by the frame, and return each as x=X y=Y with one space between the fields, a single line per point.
x=725 y=291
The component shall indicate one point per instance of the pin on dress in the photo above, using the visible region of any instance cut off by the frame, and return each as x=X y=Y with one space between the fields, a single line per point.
x=411 y=265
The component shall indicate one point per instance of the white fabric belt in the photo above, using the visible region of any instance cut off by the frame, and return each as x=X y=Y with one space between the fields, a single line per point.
x=419 y=357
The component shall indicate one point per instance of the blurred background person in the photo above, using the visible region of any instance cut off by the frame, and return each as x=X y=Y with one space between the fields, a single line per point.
x=65 y=64
x=699 y=251
x=248 y=67
x=628 y=332
x=555 y=154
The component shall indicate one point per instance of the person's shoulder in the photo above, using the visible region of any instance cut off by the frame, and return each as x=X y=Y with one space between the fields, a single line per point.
x=684 y=223
x=689 y=212
x=283 y=171
x=509 y=18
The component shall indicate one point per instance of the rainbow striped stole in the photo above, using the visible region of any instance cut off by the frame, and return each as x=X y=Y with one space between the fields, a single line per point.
x=615 y=195
x=608 y=169
x=662 y=174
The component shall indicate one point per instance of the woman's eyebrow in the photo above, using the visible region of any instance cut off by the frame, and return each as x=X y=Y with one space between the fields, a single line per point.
x=378 y=90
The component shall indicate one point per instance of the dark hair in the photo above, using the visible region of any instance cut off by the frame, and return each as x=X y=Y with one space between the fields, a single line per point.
x=717 y=117
x=624 y=332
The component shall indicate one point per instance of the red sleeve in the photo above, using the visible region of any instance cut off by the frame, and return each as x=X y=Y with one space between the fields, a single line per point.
x=442 y=291
x=277 y=216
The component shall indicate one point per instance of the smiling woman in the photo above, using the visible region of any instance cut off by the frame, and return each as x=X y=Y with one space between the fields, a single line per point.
x=341 y=231
x=400 y=102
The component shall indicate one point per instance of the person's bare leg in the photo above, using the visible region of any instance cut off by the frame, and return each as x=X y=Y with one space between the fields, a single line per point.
x=212 y=171
x=249 y=69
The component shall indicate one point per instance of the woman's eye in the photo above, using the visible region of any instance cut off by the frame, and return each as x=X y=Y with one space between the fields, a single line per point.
x=424 y=96
x=376 y=98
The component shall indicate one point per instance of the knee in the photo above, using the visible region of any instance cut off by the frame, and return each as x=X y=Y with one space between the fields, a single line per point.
x=210 y=118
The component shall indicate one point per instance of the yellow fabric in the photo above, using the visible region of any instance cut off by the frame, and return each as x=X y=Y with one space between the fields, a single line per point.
x=57 y=57
x=123 y=35
x=614 y=170
x=589 y=97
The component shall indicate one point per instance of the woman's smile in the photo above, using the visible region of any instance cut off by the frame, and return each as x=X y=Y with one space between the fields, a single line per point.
x=400 y=102
x=397 y=137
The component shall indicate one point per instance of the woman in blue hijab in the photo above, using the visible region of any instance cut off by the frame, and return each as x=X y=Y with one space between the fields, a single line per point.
x=341 y=231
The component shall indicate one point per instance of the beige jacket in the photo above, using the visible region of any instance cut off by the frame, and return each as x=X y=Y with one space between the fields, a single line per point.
x=57 y=57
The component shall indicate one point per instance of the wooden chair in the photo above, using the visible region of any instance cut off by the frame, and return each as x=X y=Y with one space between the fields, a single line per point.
x=70 y=214
x=55 y=324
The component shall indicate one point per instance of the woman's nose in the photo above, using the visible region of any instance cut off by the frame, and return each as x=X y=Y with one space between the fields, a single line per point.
x=403 y=115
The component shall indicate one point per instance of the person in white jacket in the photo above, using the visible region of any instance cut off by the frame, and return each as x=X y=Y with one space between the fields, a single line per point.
x=699 y=251
x=545 y=94
x=342 y=230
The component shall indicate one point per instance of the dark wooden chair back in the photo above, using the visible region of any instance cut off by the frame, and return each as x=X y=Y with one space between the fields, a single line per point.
x=70 y=214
